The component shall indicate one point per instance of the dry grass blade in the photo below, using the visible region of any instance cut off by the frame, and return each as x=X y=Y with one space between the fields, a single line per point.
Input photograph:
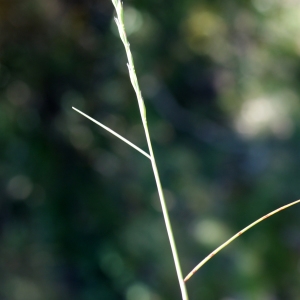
x=207 y=258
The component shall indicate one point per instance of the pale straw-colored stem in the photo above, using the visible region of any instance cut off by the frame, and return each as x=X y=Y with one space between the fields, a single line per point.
x=167 y=220
x=114 y=133
x=134 y=81
x=207 y=258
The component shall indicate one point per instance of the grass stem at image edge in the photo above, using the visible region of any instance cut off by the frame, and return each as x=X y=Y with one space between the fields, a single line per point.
x=212 y=254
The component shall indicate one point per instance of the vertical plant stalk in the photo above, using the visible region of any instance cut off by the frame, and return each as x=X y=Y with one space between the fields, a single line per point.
x=134 y=81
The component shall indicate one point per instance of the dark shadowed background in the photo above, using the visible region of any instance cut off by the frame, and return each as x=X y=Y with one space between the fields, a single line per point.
x=79 y=213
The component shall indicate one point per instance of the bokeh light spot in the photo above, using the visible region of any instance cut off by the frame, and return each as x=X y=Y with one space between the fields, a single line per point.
x=138 y=291
x=211 y=232
x=19 y=187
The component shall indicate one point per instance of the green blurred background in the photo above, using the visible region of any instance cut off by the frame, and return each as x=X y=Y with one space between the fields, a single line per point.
x=79 y=213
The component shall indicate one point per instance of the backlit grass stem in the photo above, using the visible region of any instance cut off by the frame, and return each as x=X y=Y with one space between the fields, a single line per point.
x=114 y=133
x=207 y=258
x=134 y=81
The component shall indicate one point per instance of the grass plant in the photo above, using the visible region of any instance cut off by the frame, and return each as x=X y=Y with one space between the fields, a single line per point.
x=134 y=81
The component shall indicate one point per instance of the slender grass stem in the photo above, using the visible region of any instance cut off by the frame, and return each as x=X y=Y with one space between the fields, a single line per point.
x=166 y=219
x=207 y=258
x=114 y=133
x=132 y=74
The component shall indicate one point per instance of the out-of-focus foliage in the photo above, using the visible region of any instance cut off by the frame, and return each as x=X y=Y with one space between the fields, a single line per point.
x=80 y=218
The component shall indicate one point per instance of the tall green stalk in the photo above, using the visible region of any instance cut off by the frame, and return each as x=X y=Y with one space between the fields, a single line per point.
x=120 y=23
